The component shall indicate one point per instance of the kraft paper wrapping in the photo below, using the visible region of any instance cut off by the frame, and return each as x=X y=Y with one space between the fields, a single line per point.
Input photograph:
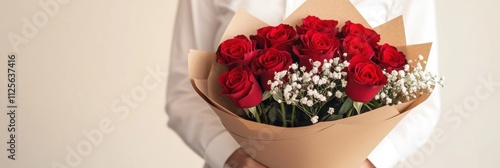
x=341 y=143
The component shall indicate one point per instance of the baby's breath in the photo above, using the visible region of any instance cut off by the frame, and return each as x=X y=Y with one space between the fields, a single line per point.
x=310 y=90
x=408 y=84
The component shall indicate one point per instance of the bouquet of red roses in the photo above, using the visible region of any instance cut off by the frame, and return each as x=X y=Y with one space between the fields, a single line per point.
x=316 y=72
x=341 y=87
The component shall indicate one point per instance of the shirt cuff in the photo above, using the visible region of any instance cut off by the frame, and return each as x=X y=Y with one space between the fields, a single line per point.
x=219 y=150
x=384 y=155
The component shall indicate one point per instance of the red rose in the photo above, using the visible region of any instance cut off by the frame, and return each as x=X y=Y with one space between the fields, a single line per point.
x=236 y=51
x=317 y=47
x=357 y=47
x=319 y=25
x=390 y=58
x=270 y=61
x=280 y=37
x=358 y=30
x=364 y=79
x=240 y=85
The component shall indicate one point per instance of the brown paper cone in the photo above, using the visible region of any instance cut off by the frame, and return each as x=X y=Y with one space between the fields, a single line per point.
x=341 y=143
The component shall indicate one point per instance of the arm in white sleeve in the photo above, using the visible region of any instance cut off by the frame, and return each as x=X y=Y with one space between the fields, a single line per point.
x=416 y=128
x=195 y=28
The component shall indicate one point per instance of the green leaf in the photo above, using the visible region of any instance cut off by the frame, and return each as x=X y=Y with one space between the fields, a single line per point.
x=334 y=117
x=247 y=112
x=345 y=106
x=357 y=106
x=272 y=114
x=278 y=96
x=253 y=110
x=266 y=95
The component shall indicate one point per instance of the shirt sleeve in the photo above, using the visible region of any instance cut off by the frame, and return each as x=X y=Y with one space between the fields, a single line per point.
x=195 y=28
x=416 y=128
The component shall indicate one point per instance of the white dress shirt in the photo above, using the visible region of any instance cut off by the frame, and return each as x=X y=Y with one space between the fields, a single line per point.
x=200 y=24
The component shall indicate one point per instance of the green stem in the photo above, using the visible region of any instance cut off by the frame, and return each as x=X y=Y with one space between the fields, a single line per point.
x=349 y=112
x=283 y=116
x=257 y=117
x=293 y=115
x=265 y=114
x=260 y=111
x=369 y=108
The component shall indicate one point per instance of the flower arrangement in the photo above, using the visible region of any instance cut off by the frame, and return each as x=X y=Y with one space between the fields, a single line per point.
x=290 y=77
x=321 y=85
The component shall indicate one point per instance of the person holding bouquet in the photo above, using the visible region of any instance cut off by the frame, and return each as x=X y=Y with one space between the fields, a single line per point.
x=200 y=24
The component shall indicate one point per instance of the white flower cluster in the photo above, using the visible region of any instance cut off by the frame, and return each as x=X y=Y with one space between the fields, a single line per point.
x=407 y=84
x=310 y=90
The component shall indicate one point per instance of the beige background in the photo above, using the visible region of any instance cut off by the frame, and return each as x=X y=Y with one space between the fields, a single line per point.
x=99 y=67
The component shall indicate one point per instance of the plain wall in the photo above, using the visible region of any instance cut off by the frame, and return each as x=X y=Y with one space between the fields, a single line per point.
x=87 y=64
x=82 y=71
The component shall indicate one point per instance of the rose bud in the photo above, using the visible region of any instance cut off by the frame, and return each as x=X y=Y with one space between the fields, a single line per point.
x=364 y=79
x=390 y=58
x=358 y=30
x=236 y=51
x=315 y=24
x=280 y=37
x=357 y=47
x=268 y=62
x=316 y=46
x=241 y=87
